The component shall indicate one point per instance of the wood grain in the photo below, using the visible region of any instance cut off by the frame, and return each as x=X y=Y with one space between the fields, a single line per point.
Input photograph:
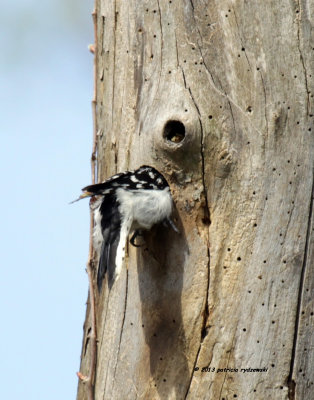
x=235 y=293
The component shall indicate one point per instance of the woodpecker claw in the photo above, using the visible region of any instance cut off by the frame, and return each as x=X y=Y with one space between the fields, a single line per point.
x=134 y=236
x=171 y=223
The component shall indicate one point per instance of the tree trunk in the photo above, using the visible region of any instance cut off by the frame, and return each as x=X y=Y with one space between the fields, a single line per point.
x=191 y=313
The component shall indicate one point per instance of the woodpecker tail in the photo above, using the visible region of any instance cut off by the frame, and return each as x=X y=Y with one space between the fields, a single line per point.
x=109 y=220
x=107 y=260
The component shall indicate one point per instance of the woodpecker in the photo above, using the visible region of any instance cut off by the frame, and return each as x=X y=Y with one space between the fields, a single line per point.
x=127 y=203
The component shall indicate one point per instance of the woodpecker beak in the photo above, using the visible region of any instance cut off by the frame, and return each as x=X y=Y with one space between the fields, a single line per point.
x=82 y=196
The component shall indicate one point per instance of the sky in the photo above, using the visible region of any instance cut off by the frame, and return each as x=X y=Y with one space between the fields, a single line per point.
x=46 y=88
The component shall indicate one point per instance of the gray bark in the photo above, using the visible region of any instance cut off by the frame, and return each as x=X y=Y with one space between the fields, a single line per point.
x=235 y=289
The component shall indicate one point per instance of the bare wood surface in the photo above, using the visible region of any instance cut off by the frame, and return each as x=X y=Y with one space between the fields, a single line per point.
x=235 y=289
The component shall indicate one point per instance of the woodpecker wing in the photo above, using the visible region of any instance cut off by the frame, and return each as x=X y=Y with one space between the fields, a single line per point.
x=110 y=185
x=144 y=177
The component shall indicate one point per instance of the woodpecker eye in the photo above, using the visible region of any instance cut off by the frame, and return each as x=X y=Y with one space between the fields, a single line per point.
x=174 y=131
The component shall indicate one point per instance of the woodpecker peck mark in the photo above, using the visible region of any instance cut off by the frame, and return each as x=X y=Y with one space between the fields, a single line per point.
x=129 y=202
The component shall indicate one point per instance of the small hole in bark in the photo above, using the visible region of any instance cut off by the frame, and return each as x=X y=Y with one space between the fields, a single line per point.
x=249 y=109
x=174 y=131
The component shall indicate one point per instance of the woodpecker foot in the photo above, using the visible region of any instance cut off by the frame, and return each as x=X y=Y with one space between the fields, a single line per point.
x=169 y=222
x=134 y=236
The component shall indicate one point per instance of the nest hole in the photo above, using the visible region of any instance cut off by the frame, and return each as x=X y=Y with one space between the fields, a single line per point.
x=174 y=131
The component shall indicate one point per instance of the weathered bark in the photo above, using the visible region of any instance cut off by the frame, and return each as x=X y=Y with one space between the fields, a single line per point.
x=235 y=289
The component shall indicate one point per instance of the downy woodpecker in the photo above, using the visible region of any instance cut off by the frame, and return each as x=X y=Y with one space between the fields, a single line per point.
x=129 y=202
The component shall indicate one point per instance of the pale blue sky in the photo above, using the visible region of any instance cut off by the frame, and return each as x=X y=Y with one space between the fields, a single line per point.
x=46 y=79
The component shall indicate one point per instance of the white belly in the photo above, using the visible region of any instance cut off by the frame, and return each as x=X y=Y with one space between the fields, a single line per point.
x=145 y=207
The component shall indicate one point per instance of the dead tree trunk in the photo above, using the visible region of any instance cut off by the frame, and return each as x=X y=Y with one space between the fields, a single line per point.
x=217 y=95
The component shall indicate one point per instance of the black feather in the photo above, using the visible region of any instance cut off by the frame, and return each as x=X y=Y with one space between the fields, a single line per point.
x=148 y=177
x=110 y=226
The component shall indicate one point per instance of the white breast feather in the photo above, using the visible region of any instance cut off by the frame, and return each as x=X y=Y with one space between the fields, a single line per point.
x=145 y=207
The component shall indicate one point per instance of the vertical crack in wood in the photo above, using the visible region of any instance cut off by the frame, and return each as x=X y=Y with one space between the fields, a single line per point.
x=161 y=38
x=290 y=381
x=206 y=220
x=302 y=60
x=265 y=101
